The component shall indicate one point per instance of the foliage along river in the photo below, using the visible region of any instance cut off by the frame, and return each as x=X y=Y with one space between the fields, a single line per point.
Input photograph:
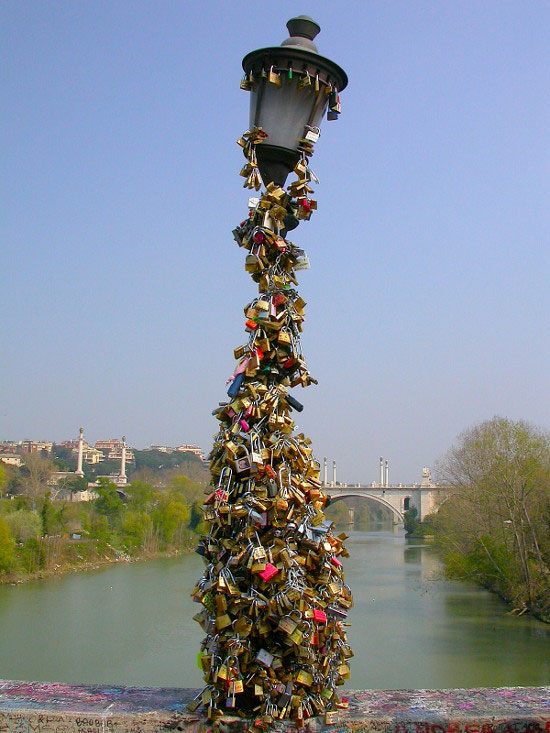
x=132 y=624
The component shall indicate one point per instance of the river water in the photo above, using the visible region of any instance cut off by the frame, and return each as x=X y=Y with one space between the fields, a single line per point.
x=131 y=624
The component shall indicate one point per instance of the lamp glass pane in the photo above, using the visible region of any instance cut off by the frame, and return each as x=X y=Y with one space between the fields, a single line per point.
x=283 y=111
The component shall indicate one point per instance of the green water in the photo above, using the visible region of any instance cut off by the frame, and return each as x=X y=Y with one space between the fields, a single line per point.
x=132 y=625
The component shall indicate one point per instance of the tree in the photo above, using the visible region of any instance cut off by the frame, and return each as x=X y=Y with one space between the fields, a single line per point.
x=24 y=524
x=36 y=472
x=108 y=502
x=169 y=516
x=7 y=547
x=140 y=494
x=136 y=526
x=496 y=525
x=47 y=515
x=410 y=521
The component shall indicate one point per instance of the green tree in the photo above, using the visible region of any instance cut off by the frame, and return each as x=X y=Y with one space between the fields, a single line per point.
x=108 y=502
x=47 y=515
x=497 y=520
x=170 y=515
x=136 y=526
x=7 y=547
x=24 y=524
x=183 y=486
x=140 y=495
x=410 y=521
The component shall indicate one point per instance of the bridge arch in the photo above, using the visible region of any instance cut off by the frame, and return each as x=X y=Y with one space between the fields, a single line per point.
x=349 y=494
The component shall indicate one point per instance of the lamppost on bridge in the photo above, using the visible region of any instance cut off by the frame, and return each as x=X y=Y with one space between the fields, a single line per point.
x=273 y=592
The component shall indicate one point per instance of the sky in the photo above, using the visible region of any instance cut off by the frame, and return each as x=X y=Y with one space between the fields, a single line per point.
x=121 y=288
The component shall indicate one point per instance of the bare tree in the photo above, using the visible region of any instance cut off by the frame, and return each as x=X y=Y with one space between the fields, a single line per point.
x=35 y=475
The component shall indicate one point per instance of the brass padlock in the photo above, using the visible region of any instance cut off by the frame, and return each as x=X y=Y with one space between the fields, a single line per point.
x=331 y=717
x=274 y=78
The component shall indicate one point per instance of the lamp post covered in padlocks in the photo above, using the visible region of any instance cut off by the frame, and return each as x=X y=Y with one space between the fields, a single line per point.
x=274 y=599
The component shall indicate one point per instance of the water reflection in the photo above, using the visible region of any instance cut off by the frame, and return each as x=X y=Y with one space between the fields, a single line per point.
x=133 y=624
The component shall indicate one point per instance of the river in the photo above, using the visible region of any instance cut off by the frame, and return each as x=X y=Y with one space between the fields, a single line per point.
x=132 y=624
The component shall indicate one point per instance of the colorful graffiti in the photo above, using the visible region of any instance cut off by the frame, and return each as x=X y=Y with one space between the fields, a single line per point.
x=61 y=708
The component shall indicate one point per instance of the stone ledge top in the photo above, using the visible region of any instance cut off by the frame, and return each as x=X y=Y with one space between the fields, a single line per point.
x=63 y=708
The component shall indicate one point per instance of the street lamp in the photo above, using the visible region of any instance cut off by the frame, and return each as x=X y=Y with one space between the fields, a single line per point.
x=273 y=593
x=289 y=85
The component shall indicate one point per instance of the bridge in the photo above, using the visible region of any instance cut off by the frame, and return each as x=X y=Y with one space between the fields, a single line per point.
x=426 y=497
x=58 y=708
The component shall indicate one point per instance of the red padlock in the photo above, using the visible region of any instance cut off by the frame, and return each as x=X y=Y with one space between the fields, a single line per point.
x=319 y=616
x=269 y=572
x=252 y=325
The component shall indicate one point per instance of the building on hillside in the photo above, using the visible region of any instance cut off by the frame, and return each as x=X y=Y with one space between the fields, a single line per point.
x=11 y=459
x=36 y=446
x=161 y=448
x=106 y=445
x=90 y=454
x=194 y=449
x=112 y=450
x=116 y=454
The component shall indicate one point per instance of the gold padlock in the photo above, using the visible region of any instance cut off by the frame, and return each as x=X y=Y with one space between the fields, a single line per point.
x=223 y=621
x=304 y=678
x=274 y=78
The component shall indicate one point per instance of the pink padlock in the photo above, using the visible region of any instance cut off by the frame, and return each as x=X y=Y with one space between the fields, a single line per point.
x=334 y=560
x=270 y=572
x=244 y=425
x=249 y=410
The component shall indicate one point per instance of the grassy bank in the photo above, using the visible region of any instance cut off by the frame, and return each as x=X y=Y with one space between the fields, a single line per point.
x=68 y=556
x=40 y=537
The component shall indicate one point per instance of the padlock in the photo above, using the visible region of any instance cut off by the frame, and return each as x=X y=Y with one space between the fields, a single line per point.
x=264 y=658
x=304 y=678
x=319 y=616
x=241 y=462
x=305 y=81
x=256 y=450
x=223 y=622
x=270 y=572
x=289 y=622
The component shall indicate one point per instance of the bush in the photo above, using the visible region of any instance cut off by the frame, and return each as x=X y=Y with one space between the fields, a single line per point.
x=7 y=546
x=24 y=524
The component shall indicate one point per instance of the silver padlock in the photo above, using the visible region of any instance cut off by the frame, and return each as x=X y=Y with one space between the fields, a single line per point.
x=312 y=134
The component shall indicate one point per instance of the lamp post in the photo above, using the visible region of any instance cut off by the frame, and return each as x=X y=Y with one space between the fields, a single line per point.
x=273 y=592
x=284 y=110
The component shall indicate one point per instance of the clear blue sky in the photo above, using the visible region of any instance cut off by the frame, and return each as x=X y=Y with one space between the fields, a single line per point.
x=121 y=287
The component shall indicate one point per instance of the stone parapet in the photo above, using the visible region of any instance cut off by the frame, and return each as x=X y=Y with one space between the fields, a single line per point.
x=27 y=707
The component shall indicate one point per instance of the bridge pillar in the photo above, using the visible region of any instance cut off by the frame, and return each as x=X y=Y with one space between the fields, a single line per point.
x=351 y=515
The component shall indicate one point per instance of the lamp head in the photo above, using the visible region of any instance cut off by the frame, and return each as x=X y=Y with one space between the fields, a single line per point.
x=279 y=104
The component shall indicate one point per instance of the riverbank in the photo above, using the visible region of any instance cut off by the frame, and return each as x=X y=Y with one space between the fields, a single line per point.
x=17 y=577
x=458 y=566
